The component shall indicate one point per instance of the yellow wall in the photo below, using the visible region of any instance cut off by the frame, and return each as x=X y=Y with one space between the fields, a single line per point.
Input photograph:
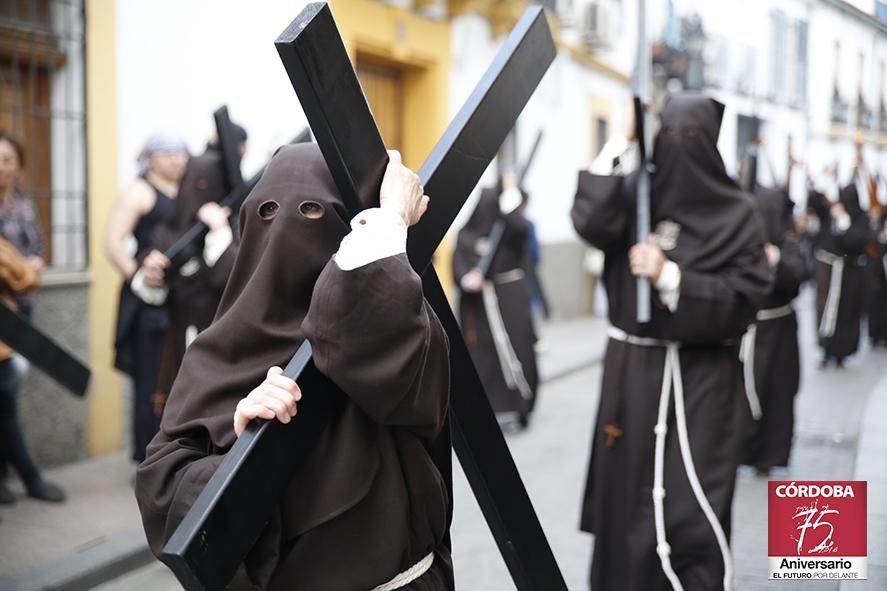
x=422 y=48
x=105 y=407
x=418 y=45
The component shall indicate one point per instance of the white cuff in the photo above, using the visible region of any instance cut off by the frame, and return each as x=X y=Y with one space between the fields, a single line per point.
x=842 y=222
x=216 y=243
x=376 y=234
x=616 y=147
x=154 y=296
x=774 y=255
x=669 y=284
x=509 y=200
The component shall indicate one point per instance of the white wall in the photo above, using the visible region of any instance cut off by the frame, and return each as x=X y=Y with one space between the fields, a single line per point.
x=746 y=27
x=179 y=61
x=561 y=106
x=828 y=25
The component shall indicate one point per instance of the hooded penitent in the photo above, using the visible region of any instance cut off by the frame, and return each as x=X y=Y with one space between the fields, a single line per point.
x=689 y=350
x=385 y=399
x=771 y=356
x=774 y=208
x=497 y=322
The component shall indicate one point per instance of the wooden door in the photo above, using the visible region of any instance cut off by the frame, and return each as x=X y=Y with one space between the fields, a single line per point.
x=383 y=85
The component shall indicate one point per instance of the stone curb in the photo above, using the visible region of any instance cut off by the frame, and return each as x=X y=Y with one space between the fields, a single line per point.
x=105 y=559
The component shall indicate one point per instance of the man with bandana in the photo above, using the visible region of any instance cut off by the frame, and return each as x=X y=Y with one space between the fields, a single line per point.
x=141 y=318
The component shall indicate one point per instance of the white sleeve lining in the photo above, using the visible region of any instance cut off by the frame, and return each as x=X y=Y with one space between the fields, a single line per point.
x=376 y=234
x=669 y=285
x=155 y=296
x=216 y=243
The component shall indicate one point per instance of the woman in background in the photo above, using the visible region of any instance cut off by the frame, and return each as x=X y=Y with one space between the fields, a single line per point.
x=21 y=261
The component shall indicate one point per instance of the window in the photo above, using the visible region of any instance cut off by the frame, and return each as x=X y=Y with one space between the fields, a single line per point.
x=778 y=52
x=840 y=108
x=801 y=63
x=42 y=103
x=882 y=103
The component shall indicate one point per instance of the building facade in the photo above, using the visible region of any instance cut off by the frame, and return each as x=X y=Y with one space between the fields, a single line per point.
x=85 y=82
x=813 y=72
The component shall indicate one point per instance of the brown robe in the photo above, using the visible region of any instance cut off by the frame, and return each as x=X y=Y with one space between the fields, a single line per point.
x=707 y=226
x=877 y=277
x=508 y=297
x=850 y=247
x=369 y=501
x=776 y=361
x=196 y=288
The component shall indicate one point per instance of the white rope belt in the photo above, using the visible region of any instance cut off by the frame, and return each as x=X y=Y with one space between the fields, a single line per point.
x=508 y=276
x=671 y=378
x=774 y=313
x=408 y=576
x=747 y=356
x=512 y=370
x=829 y=320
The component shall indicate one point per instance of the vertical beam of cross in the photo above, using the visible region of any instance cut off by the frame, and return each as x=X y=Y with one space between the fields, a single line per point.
x=229 y=146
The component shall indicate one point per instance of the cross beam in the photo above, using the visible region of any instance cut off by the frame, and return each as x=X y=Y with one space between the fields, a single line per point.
x=26 y=339
x=215 y=535
x=229 y=146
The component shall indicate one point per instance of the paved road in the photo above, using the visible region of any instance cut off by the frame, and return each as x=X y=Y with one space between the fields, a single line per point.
x=553 y=454
x=552 y=457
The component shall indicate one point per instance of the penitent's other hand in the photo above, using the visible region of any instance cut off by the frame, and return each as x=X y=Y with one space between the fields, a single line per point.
x=401 y=191
x=214 y=215
x=473 y=281
x=276 y=397
x=647 y=259
x=154 y=268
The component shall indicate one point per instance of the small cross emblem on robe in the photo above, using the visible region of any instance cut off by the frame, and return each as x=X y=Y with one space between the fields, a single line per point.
x=159 y=400
x=613 y=433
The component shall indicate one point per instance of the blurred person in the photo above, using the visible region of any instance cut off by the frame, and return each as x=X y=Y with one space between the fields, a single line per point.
x=21 y=261
x=839 y=273
x=877 y=261
x=192 y=293
x=495 y=311
x=770 y=353
x=369 y=502
x=662 y=475
x=142 y=320
x=538 y=301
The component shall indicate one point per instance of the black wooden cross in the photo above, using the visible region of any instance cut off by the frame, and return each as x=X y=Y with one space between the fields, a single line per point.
x=494 y=240
x=31 y=343
x=229 y=146
x=227 y=517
